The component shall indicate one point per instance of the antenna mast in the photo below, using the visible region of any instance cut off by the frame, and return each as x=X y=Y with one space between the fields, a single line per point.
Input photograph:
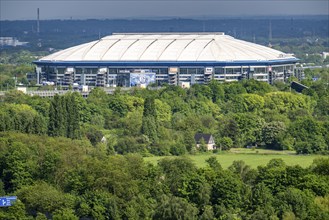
x=38 y=21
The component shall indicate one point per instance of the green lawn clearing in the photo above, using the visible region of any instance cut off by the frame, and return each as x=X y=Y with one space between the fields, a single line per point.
x=251 y=157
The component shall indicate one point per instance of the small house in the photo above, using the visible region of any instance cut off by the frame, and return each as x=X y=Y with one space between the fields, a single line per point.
x=208 y=140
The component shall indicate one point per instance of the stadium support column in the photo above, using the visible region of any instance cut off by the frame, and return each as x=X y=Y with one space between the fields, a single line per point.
x=38 y=72
x=270 y=75
x=208 y=74
x=173 y=72
x=251 y=73
x=83 y=77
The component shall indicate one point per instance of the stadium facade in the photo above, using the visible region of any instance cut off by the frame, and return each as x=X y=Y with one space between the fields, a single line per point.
x=130 y=59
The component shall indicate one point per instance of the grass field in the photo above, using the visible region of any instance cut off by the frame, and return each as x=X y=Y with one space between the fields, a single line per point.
x=253 y=158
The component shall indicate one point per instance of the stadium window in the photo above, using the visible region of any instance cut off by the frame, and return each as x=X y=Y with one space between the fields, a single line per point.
x=260 y=70
x=154 y=70
x=237 y=70
x=91 y=70
x=78 y=70
x=219 y=70
x=200 y=70
x=113 y=71
x=245 y=70
x=183 y=71
x=60 y=70
x=191 y=71
x=163 y=71
x=278 y=69
x=229 y=70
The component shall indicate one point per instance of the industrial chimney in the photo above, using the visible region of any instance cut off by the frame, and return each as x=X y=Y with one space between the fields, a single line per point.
x=38 y=22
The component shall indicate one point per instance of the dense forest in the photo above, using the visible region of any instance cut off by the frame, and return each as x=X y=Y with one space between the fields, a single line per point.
x=164 y=121
x=70 y=157
x=61 y=178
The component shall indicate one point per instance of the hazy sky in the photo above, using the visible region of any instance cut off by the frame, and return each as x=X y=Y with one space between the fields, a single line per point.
x=83 y=9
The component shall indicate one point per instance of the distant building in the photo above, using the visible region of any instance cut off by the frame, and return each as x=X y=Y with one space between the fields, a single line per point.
x=11 y=42
x=174 y=58
x=325 y=55
x=208 y=139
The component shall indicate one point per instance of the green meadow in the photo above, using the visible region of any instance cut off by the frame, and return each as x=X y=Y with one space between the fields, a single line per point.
x=251 y=157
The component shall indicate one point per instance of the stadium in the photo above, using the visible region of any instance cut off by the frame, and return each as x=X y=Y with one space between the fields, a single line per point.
x=138 y=59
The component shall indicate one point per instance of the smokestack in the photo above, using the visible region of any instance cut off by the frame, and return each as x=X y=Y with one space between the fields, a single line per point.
x=270 y=34
x=38 y=22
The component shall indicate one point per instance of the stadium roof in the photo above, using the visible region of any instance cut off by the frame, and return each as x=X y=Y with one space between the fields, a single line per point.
x=167 y=47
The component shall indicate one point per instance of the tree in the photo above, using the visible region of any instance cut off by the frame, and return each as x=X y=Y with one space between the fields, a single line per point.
x=249 y=128
x=64 y=117
x=64 y=214
x=321 y=166
x=176 y=173
x=240 y=168
x=41 y=197
x=203 y=146
x=149 y=123
x=94 y=135
x=16 y=169
x=308 y=134
x=224 y=194
x=73 y=118
x=283 y=102
x=163 y=112
x=225 y=143
x=217 y=91
x=272 y=134
x=258 y=87
x=175 y=208
x=273 y=175
x=57 y=117
x=322 y=106
x=213 y=163
x=296 y=201
x=253 y=102
x=98 y=97
x=262 y=198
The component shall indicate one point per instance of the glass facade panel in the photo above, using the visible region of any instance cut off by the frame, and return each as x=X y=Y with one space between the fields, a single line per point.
x=260 y=70
x=200 y=70
x=277 y=69
x=61 y=70
x=229 y=70
x=163 y=70
x=182 y=70
x=245 y=70
x=237 y=70
x=191 y=71
x=113 y=70
x=91 y=70
x=78 y=70
x=219 y=70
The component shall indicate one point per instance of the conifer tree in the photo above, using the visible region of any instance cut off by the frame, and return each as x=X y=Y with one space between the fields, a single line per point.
x=52 y=123
x=73 y=127
x=149 y=124
x=62 y=116
x=57 y=117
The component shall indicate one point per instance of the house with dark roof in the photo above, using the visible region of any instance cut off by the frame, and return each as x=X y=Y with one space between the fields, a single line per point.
x=208 y=139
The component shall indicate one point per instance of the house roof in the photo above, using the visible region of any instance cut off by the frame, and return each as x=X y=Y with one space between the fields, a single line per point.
x=206 y=137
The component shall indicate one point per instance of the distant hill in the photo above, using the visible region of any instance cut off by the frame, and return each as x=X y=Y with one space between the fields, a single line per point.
x=60 y=34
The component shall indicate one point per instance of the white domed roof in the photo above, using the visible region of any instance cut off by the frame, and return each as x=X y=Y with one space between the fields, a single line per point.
x=161 y=47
